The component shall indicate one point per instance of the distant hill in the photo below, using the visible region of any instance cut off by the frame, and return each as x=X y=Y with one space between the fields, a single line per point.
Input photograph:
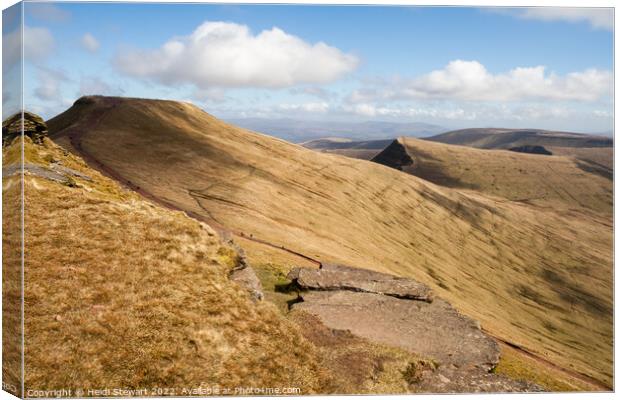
x=364 y=150
x=499 y=138
x=562 y=182
x=298 y=131
x=594 y=152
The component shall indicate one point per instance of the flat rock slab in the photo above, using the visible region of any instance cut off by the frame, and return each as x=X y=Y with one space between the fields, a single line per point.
x=432 y=329
x=340 y=277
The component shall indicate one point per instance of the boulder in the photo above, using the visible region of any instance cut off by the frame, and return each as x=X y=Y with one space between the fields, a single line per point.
x=33 y=127
x=247 y=279
x=245 y=276
x=341 y=277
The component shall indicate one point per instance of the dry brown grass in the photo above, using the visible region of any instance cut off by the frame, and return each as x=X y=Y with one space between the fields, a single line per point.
x=546 y=181
x=603 y=156
x=354 y=153
x=536 y=276
x=123 y=294
x=11 y=274
x=522 y=367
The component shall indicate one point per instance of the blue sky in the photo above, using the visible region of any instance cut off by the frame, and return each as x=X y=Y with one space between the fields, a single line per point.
x=455 y=67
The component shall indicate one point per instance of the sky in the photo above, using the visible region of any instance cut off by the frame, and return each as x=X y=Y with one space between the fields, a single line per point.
x=456 y=67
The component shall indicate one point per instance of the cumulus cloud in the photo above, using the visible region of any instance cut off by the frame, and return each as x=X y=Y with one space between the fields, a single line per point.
x=38 y=44
x=471 y=81
x=90 y=43
x=598 y=18
x=224 y=54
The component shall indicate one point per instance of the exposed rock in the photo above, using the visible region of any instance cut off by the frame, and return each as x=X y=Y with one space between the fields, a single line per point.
x=340 y=277
x=451 y=380
x=402 y=313
x=69 y=172
x=531 y=150
x=433 y=330
x=56 y=173
x=394 y=156
x=33 y=126
x=245 y=276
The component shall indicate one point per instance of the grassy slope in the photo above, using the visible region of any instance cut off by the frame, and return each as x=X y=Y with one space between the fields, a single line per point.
x=123 y=294
x=11 y=273
x=546 y=181
x=534 y=276
x=354 y=153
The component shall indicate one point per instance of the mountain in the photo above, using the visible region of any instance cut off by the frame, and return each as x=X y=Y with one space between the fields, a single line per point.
x=561 y=182
x=298 y=131
x=365 y=149
x=496 y=138
x=539 y=278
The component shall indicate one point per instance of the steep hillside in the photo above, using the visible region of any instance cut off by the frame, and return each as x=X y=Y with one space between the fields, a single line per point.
x=558 y=182
x=494 y=138
x=364 y=150
x=535 y=277
x=120 y=293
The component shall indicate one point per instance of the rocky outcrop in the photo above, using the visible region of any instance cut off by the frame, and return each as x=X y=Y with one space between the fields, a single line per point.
x=54 y=172
x=339 y=277
x=33 y=127
x=245 y=276
x=403 y=313
x=434 y=330
x=394 y=156
x=451 y=380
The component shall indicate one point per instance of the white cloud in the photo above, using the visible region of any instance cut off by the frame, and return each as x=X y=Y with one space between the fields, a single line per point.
x=471 y=81
x=90 y=43
x=599 y=18
x=407 y=112
x=38 y=44
x=319 y=108
x=223 y=54
x=50 y=82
